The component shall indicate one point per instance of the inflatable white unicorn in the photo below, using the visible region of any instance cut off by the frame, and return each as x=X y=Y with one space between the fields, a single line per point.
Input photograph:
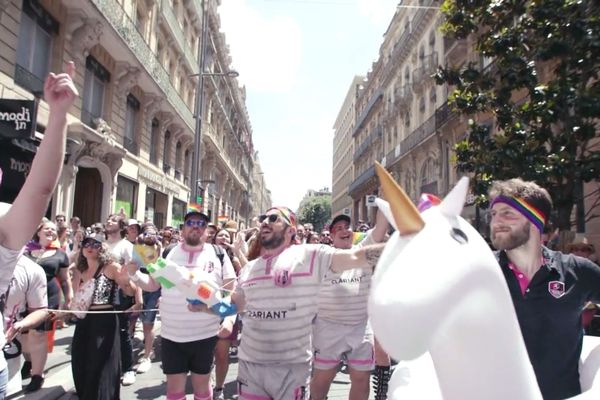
x=438 y=297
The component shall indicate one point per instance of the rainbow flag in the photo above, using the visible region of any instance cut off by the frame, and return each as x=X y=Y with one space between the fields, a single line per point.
x=194 y=207
x=221 y=219
x=357 y=237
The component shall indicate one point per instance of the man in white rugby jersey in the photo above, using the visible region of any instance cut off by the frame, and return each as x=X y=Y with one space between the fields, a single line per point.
x=188 y=338
x=277 y=294
x=341 y=330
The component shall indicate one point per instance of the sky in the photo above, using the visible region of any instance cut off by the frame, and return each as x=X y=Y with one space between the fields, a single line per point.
x=297 y=59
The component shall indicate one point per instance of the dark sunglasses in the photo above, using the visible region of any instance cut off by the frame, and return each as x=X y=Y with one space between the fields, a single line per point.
x=93 y=245
x=200 y=223
x=272 y=218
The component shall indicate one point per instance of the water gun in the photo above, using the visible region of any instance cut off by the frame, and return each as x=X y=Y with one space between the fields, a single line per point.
x=196 y=286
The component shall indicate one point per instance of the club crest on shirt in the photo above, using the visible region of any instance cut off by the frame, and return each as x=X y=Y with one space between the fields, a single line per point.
x=209 y=267
x=556 y=289
x=283 y=277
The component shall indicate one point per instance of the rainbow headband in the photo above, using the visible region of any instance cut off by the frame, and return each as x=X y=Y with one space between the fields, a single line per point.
x=534 y=215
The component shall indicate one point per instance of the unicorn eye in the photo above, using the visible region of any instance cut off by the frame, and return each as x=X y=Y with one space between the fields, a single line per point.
x=459 y=236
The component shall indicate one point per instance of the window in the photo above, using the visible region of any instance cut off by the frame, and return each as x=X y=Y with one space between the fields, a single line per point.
x=35 y=47
x=166 y=152
x=154 y=135
x=186 y=167
x=432 y=39
x=126 y=196
x=96 y=78
x=178 y=160
x=407 y=75
x=131 y=116
x=140 y=22
x=422 y=104
x=433 y=96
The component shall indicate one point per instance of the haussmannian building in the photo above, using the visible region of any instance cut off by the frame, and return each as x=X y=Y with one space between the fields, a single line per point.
x=131 y=132
x=343 y=151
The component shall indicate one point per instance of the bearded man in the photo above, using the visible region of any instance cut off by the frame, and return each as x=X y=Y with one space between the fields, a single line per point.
x=549 y=289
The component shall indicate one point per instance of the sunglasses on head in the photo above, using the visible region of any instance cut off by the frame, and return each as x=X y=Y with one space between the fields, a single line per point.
x=271 y=219
x=200 y=223
x=92 y=245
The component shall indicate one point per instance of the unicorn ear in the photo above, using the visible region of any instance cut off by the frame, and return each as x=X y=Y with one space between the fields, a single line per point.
x=384 y=207
x=455 y=200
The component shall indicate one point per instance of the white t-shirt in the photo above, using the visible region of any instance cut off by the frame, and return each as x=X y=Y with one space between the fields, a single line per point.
x=121 y=250
x=344 y=295
x=281 y=295
x=27 y=289
x=178 y=324
x=8 y=261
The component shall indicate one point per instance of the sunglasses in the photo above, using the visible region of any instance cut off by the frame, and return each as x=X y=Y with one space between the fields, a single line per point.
x=92 y=245
x=200 y=223
x=271 y=218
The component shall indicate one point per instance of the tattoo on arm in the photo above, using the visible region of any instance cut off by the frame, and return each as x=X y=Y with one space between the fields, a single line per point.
x=372 y=254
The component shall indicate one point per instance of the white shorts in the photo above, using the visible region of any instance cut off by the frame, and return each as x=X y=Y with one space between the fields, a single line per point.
x=273 y=382
x=334 y=342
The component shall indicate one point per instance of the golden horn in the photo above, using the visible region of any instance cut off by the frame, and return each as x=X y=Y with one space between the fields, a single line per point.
x=407 y=217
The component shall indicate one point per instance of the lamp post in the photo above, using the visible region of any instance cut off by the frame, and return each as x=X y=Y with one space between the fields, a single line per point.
x=200 y=100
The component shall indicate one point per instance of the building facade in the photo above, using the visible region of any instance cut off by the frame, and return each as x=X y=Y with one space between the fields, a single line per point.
x=343 y=151
x=403 y=119
x=131 y=132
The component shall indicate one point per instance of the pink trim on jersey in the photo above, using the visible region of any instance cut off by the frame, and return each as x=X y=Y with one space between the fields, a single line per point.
x=250 y=396
x=521 y=277
x=326 y=361
x=361 y=362
x=191 y=253
x=269 y=276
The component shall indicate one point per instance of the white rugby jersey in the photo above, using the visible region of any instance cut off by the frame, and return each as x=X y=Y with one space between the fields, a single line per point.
x=8 y=261
x=178 y=324
x=281 y=303
x=344 y=295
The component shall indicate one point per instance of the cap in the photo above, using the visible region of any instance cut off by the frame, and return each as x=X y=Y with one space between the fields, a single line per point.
x=196 y=213
x=94 y=238
x=231 y=226
x=133 y=222
x=341 y=217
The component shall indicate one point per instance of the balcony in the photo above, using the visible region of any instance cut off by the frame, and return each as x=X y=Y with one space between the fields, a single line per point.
x=378 y=95
x=401 y=49
x=423 y=132
x=443 y=115
x=130 y=145
x=423 y=73
x=29 y=81
x=455 y=50
x=168 y=16
x=403 y=96
x=376 y=134
x=421 y=13
x=362 y=179
x=126 y=29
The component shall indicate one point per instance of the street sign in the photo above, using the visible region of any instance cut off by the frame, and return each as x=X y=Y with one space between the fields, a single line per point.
x=371 y=200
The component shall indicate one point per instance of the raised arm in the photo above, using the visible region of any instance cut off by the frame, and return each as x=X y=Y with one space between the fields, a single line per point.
x=17 y=225
x=381 y=227
x=142 y=280
x=363 y=257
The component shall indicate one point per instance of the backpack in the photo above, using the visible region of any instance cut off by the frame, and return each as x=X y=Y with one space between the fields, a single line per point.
x=220 y=253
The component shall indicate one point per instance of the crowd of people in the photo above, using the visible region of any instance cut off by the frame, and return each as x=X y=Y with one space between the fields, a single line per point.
x=301 y=302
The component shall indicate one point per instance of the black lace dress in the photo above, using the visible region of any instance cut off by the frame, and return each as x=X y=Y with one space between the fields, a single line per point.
x=96 y=350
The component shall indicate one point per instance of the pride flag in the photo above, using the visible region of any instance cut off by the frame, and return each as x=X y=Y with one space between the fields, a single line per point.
x=357 y=237
x=194 y=207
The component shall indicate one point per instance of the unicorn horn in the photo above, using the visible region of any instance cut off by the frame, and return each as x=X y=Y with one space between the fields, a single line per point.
x=407 y=217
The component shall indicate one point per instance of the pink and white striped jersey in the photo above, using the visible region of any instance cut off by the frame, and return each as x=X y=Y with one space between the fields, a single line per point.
x=281 y=295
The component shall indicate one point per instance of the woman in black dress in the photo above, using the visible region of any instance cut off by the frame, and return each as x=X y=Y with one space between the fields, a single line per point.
x=55 y=262
x=96 y=351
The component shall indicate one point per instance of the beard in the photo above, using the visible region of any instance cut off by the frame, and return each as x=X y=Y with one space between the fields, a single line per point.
x=511 y=240
x=276 y=240
x=193 y=239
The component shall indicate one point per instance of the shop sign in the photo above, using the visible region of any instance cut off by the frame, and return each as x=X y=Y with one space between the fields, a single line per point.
x=17 y=118
x=158 y=182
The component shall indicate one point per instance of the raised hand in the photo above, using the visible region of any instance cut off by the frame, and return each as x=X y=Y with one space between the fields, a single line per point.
x=60 y=91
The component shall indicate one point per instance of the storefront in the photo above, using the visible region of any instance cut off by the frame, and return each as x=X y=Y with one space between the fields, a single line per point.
x=156 y=208
x=126 y=199
x=178 y=209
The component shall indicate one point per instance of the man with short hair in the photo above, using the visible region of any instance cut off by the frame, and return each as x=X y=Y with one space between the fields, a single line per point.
x=341 y=330
x=211 y=231
x=278 y=295
x=188 y=338
x=300 y=234
x=122 y=250
x=549 y=289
